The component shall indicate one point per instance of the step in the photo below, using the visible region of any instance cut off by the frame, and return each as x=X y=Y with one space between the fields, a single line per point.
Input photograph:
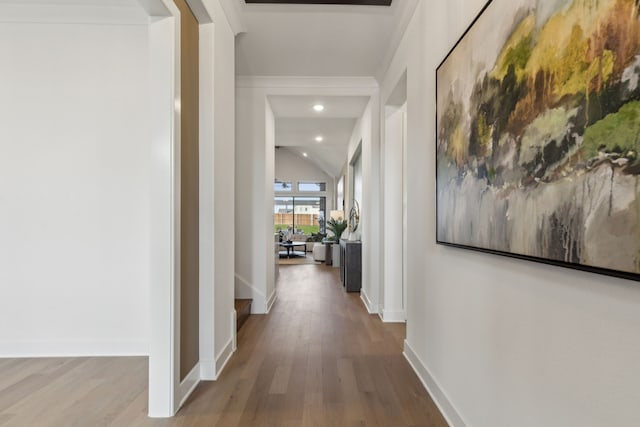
x=243 y=310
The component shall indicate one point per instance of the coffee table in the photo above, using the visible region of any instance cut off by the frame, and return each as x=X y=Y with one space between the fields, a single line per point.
x=291 y=247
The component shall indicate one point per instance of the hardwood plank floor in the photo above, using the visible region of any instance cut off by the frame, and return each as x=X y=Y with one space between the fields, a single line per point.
x=318 y=359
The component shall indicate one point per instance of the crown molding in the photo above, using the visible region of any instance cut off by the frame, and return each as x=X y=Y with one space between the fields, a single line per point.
x=396 y=37
x=307 y=82
x=233 y=13
x=73 y=14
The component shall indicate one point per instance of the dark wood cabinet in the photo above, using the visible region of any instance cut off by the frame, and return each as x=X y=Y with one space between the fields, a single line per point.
x=351 y=265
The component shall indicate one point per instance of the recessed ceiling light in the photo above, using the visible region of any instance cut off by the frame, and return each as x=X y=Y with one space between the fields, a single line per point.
x=305 y=154
x=318 y=107
x=319 y=138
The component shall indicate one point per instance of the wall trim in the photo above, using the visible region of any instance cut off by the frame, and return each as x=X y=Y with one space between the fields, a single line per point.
x=393 y=316
x=233 y=13
x=223 y=357
x=440 y=398
x=34 y=349
x=271 y=301
x=246 y=283
x=259 y=300
x=367 y=302
x=207 y=370
x=210 y=370
x=73 y=14
x=207 y=294
x=396 y=37
x=164 y=355
x=234 y=329
x=188 y=384
x=348 y=83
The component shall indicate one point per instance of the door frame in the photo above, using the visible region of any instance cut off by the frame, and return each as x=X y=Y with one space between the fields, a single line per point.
x=166 y=392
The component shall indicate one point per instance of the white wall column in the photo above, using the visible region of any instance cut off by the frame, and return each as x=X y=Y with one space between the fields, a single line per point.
x=164 y=354
x=366 y=138
x=392 y=290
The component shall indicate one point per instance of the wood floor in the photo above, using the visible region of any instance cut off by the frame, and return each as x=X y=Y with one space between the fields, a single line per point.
x=318 y=359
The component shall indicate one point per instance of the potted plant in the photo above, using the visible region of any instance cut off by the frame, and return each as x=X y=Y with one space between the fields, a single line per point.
x=337 y=227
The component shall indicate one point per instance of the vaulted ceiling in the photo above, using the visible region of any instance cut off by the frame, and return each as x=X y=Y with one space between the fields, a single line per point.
x=298 y=126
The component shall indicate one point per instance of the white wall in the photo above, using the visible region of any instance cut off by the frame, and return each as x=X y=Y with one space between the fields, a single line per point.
x=291 y=167
x=267 y=200
x=74 y=189
x=224 y=167
x=499 y=341
x=366 y=137
x=254 y=186
x=391 y=295
x=217 y=176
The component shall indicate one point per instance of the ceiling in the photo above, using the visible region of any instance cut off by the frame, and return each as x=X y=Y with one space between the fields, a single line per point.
x=297 y=125
x=299 y=40
x=319 y=41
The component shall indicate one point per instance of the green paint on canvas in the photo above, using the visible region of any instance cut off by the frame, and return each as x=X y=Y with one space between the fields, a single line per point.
x=618 y=132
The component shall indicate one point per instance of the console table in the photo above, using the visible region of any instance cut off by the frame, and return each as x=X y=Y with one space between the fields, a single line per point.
x=351 y=265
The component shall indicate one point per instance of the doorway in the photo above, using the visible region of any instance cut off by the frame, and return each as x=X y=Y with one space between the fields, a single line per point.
x=299 y=222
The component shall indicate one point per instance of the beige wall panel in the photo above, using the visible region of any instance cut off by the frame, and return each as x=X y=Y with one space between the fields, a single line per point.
x=189 y=230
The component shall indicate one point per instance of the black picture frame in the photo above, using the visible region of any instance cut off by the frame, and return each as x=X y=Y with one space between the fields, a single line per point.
x=332 y=2
x=534 y=158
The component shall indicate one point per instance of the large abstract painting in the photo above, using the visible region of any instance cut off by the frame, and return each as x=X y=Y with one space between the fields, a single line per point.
x=538 y=134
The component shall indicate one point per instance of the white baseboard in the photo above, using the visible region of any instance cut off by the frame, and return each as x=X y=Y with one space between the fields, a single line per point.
x=187 y=385
x=210 y=369
x=223 y=357
x=367 y=302
x=435 y=391
x=271 y=301
x=244 y=289
x=234 y=329
x=74 y=349
x=394 y=316
x=207 y=370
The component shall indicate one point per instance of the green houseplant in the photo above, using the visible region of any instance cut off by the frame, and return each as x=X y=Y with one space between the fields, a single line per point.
x=337 y=227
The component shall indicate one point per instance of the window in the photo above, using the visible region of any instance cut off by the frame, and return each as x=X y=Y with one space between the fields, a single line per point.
x=301 y=215
x=340 y=191
x=357 y=177
x=308 y=186
x=280 y=186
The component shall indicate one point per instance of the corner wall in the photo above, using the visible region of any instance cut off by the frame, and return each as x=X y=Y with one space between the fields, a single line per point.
x=74 y=190
x=366 y=137
x=500 y=341
x=253 y=187
x=217 y=168
x=224 y=168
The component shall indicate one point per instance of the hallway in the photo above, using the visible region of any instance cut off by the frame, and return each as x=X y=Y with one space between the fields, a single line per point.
x=318 y=359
